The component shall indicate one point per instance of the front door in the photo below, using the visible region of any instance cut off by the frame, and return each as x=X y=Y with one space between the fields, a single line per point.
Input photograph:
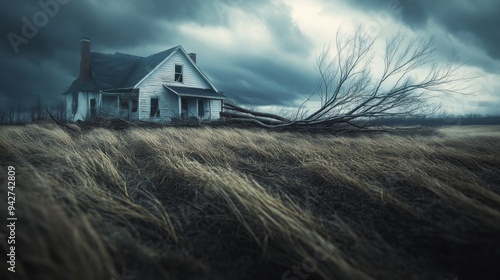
x=184 y=108
x=124 y=106
x=201 y=109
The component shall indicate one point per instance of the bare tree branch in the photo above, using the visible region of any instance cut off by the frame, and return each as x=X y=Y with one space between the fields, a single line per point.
x=353 y=91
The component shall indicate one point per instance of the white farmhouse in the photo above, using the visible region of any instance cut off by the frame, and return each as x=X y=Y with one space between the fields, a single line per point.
x=164 y=86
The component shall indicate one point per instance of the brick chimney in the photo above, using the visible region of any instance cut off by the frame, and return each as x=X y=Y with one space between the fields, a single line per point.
x=193 y=57
x=85 y=60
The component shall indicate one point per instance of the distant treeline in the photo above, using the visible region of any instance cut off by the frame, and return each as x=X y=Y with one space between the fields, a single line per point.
x=36 y=111
x=470 y=119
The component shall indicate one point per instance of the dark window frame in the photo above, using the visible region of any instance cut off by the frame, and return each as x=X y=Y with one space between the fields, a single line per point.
x=154 y=108
x=179 y=74
x=201 y=109
x=135 y=103
x=184 y=107
x=93 y=107
x=124 y=103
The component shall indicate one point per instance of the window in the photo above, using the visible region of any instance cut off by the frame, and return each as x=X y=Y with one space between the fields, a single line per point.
x=184 y=103
x=155 y=110
x=93 y=110
x=110 y=102
x=178 y=73
x=184 y=107
x=110 y=105
x=124 y=103
x=74 y=103
x=135 y=103
x=201 y=109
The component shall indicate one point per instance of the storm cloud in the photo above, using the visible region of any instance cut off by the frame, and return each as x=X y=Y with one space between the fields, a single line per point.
x=471 y=21
x=258 y=52
x=469 y=27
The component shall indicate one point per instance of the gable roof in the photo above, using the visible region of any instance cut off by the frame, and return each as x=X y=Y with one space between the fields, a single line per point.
x=179 y=48
x=147 y=65
x=120 y=71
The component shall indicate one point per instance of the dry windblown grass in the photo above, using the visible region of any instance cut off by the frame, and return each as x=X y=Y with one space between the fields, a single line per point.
x=238 y=204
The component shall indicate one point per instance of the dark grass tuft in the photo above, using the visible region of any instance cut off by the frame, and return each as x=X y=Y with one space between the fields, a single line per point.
x=221 y=203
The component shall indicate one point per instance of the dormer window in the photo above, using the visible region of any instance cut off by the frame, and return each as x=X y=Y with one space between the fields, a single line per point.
x=178 y=73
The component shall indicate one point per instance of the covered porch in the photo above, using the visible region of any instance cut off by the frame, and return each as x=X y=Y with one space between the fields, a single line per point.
x=116 y=104
x=203 y=104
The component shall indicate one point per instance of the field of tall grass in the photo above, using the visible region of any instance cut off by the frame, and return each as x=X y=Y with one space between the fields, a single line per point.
x=221 y=203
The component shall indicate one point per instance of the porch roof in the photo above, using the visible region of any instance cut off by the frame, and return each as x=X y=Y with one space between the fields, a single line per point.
x=196 y=92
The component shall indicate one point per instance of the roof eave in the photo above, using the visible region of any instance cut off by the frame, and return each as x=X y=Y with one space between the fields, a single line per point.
x=222 y=97
x=201 y=96
x=199 y=70
x=128 y=89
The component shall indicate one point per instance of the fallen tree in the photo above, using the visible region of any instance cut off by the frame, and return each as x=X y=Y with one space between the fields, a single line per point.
x=353 y=92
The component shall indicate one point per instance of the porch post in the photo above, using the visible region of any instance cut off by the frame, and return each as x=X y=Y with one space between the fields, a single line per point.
x=210 y=109
x=197 y=109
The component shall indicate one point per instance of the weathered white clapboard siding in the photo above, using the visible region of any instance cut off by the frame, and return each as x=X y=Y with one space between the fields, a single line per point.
x=166 y=73
x=144 y=106
x=168 y=103
x=206 y=109
x=82 y=111
x=152 y=86
x=82 y=107
x=215 y=109
x=145 y=102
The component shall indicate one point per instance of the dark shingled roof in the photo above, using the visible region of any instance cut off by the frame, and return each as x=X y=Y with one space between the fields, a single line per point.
x=111 y=70
x=196 y=92
x=118 y=71
x=77 y=87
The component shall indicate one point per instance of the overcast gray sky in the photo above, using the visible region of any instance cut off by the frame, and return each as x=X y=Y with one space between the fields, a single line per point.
x=260 y=52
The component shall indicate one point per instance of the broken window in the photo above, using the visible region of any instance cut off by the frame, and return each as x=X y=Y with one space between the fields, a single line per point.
x=110 y=102
x=178 y=73
x=155 y=109
x=124 y=103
